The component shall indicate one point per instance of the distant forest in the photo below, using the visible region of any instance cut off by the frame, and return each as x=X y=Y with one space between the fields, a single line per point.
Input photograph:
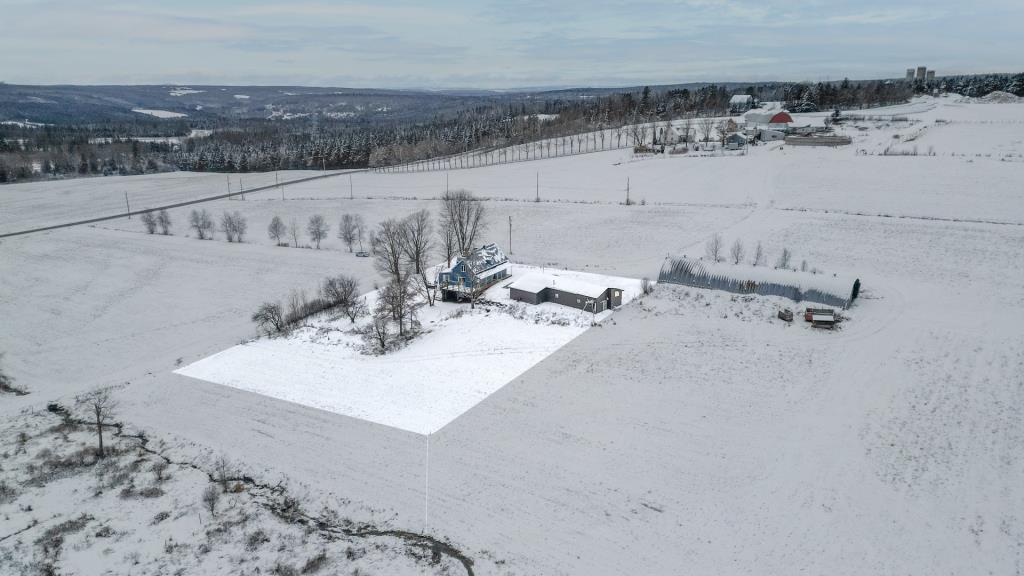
x=30 y=151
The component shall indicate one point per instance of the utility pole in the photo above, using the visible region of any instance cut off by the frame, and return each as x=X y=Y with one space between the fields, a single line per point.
x=127 y=206
x=351 y=194
x=278 y=184
x=509 y=234
x=627 y=190
x=228 y=176
x=537 y=199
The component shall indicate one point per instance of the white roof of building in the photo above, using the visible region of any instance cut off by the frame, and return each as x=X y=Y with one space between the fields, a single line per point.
x=480 y=260
x=537 y=282
x=741 y=99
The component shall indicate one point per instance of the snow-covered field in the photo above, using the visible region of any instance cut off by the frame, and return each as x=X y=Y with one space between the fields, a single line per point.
x=690 y=432
x=462 y=357
x=159 y=113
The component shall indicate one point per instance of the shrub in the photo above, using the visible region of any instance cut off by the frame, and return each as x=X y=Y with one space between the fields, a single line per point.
x=256 y=539
x=315 y=563
x=211 y=495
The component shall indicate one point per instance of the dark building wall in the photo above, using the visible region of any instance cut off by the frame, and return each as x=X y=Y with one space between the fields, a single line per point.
x=612 y=298
x=524 y=296
x=576 y=300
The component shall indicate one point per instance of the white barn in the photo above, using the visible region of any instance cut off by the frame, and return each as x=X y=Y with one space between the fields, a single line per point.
x=741 y=103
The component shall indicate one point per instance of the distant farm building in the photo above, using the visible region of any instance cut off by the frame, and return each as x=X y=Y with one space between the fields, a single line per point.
x=539 y=288
x=735 y=141
x=675 y=134
x=780 y=121
x=831 y=290
x=469 y=276
x=772 y=120
x=741 y=103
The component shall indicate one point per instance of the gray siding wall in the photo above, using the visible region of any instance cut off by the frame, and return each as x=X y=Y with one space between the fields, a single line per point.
x=524 y=296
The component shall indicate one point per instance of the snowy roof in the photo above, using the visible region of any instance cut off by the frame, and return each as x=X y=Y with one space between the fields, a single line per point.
x=741 y=99
x=485 y=257
x=535 y=283
x=480 y=260
x=757 y=117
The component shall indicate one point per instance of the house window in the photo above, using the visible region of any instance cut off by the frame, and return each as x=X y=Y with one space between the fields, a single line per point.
x=556 y=294
x=577 y=300
x=617 y=293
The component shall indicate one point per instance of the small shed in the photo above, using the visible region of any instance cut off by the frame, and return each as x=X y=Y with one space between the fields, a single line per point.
x=539 y=288
x=735 y=141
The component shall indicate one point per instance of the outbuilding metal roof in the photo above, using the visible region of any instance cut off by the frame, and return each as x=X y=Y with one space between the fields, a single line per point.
x=536 y=282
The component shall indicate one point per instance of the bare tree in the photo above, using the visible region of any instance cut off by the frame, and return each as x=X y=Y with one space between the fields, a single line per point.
x=803 y=266
x=378 y=333
x=759 y=257
x=707 y=126
x=101 y=406
x=360 y=225
x=737 y=251
x=294 y=231
x=687 y=127
x=227 y=226
x=399 y=298
x=387 y=244
x=202 y=223
x=347 y=230
x=241 y=226
x=269 y=318
x=713 y=248
x=417 y=243
x=465 y=215
x=447 y=237
x=223 y=471
x=210 y=498
x=425 y=288
x=276 y=230
x=355 y=309
x=343 y=292
x=723 y=129
x=317 y=229
x=784 y=258
x=163 y=219
x=149 y=221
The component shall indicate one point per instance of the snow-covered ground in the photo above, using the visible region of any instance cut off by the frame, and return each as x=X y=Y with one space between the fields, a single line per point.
x=462 y=357
x=692 y=431
x=159 y=113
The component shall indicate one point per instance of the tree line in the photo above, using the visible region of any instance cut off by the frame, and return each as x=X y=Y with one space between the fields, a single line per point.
x=257 y=145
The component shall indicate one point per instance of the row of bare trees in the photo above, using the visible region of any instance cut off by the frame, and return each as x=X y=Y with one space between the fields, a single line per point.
x=154 y=220
x=714 y=248
x=336 y=293
x=316 y=227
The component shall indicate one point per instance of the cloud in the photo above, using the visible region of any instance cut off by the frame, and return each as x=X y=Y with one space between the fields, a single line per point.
x=495 y=44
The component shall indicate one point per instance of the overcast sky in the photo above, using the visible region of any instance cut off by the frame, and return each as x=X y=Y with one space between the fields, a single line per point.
x=484 y=44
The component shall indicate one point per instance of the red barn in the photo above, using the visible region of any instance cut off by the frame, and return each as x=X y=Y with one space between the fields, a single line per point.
x=781 y=118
